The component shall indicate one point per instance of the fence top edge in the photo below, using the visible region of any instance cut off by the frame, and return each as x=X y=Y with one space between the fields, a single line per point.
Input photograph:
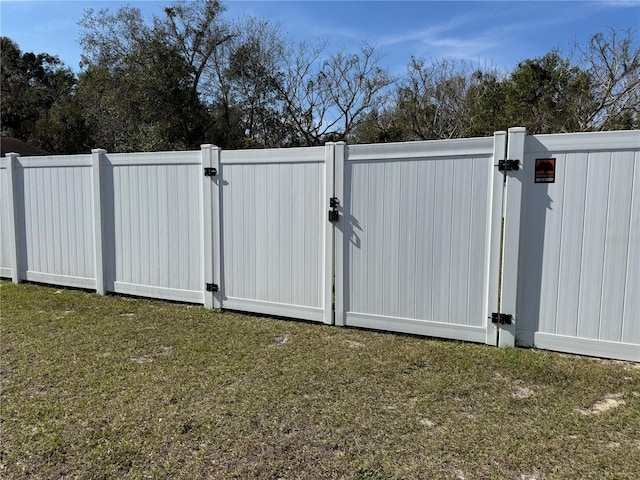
x=586 y=141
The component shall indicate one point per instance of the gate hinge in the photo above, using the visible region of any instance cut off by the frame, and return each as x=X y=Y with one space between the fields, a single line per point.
x=210 y=172
x=334 y=216
x=507 y=165
x=501 y=318
x=212 y=287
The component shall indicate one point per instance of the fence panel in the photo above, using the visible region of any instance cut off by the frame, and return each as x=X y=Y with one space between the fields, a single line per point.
x=273 y=231
x=152 y=224
x=55 y=220
x=415 y=242
x=5 y=216
x=579 y=265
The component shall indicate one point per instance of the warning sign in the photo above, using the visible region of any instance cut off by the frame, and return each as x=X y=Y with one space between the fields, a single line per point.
x=545 y=170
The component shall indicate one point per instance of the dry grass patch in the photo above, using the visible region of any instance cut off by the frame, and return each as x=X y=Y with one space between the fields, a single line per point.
x=111 y=387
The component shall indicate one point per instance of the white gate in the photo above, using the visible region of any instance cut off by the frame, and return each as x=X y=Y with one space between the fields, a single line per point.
x=577 y=266
x=418 y=239
x=276 y=248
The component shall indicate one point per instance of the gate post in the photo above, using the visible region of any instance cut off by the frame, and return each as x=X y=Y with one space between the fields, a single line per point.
x=211 y=225
x=511 y=238
x=492 y=286
x=340 y=154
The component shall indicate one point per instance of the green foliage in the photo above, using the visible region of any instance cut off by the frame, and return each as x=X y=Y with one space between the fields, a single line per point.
x=486 y=104
x=137 y=90
x=30 y=86
x=547 y=95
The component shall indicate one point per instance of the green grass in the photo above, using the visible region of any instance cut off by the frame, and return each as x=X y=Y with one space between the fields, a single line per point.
x=111 y=387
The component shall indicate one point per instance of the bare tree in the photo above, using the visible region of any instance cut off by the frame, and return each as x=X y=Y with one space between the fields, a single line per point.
x=197 y=30
x=355 y=84
x=329 y=99
x=108 y=38
x=431 y=99
x=612 y=59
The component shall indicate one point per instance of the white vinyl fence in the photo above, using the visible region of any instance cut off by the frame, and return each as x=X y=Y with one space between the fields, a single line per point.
x=579 y=255
x=429 y=238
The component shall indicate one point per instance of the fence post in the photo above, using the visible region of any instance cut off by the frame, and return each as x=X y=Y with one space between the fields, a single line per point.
x=512 y=209
x=338 y=253
x=211 y=226
x=98 y=234
x=14 y=204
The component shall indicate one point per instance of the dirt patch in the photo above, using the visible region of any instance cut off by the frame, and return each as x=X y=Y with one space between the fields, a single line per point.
x=522 y=392
x=353 y=344
x=280 y=340
x=426 y=422
x=164 y=351
x=143 y=359
x=609 y=402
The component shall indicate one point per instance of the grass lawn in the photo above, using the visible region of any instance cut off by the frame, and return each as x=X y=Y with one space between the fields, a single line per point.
x=112 y=387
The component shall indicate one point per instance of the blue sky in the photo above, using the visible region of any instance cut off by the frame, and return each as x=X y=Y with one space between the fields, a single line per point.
x=486 y=33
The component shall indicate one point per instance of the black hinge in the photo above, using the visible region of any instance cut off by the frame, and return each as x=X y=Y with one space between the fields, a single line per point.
x=210 y=172
x=334 y=216
x=501 y=318
x=506 y=165
x=212 y=287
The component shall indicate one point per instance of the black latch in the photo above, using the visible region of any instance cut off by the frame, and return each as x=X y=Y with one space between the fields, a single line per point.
x=501 y=318
x=506 y=165
x=334 y=216
x=212 y=287
x=210 y=172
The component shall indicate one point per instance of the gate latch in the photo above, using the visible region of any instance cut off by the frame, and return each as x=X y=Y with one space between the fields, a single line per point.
x=501 y=318
x=507 y=165
x=334 y=216
x=210 y=172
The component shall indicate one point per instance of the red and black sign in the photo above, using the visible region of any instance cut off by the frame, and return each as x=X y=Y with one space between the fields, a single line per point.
x=545 y=170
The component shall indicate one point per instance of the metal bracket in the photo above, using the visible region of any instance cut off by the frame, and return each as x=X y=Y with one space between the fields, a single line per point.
x=210 y=172
x=501 y=318
x=334 y=216
x=507 y=165
x=212 y=287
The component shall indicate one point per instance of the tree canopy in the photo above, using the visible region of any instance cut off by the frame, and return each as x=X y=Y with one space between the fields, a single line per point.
x=191 y=75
